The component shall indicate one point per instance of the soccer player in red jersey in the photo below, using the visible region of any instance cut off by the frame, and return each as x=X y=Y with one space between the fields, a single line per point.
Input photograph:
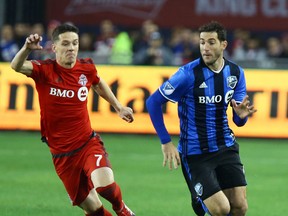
x=78 y=152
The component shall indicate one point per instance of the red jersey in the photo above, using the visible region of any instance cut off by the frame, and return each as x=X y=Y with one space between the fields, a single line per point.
x=63 y=96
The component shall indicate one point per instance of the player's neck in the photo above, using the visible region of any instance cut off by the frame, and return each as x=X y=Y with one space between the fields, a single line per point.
x=66 y=64
x=218 y=65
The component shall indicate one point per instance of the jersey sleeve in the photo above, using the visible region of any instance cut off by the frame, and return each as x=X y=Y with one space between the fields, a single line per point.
x=240 y=89
x=36 y=72
x=96 y=77
x=239 y=94
x=178 y=84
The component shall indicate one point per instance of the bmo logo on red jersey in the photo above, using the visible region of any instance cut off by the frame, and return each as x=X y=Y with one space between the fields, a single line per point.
x=82 y=93
x=62 y=93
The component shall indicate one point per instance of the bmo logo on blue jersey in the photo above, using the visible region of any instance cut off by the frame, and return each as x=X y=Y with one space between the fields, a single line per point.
x=216 y=98
x=82 y=93
x=207 y=99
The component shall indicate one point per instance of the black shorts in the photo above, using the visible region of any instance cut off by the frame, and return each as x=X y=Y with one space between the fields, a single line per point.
x=209 y=173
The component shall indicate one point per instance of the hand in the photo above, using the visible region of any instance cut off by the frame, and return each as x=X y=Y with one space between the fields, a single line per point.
x=126 y=113
x=33 y=42
x=243 y=109
x=170 y=155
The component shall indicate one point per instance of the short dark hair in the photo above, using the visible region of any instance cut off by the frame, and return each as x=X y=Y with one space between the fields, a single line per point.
x=215 y=26
x=62 y=29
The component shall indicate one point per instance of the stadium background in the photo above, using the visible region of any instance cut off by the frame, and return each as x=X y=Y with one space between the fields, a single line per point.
x=28 y=184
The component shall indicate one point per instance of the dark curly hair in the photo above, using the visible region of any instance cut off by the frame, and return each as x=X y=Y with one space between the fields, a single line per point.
x=215 y=26
x=62 y=29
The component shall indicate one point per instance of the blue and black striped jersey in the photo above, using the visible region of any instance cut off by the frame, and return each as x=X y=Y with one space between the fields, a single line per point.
x=203 y=97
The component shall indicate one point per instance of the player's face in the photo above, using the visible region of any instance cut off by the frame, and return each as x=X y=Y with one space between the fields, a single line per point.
x=66 y=49
x=211 y=48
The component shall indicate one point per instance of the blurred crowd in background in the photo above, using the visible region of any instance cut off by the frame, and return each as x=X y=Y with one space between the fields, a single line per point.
x=148 y=45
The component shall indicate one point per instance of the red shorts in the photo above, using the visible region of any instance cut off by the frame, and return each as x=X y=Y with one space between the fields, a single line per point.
x=75 y=170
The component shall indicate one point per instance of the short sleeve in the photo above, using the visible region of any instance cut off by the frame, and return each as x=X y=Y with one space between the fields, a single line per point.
x=37 y=72
x=178 y=84
x=96 y=77
x=240 y=90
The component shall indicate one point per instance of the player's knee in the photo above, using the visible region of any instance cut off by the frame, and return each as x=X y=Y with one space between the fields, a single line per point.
x=102 y=177
x=220 y=210
x=239 y=208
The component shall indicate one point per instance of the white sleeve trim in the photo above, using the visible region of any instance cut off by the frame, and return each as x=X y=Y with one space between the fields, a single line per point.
x=166 y=96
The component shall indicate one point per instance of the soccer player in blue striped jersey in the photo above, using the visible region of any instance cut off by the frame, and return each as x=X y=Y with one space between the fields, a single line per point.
x=207 y=148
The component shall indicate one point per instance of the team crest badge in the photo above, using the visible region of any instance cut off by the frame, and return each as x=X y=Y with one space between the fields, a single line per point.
x=232 y=81
x=168 y=89
x=83 y=80
x=199 y=189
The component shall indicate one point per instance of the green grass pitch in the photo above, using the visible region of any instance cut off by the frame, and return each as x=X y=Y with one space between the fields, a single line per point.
x=29 y=185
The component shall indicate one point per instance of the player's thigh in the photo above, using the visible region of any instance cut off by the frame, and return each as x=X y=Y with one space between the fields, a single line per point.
x=237 y=197
x=97 y=165
x=218 y=204
x=199 y=172
x=230 y=172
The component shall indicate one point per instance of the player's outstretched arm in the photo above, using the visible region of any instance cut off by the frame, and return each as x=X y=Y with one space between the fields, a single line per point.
x=170 y=155
x=103 y=90
x=19 y=63
x=242 y=110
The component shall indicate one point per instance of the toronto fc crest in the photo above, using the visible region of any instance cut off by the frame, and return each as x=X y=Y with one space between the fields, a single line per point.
x=82 y=80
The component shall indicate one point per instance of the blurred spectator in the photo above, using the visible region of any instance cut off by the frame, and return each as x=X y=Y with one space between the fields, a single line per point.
x=141 y=38
x=176 y=46
x=139 y=47
x=38 y=28
x=155 y=54
x=122 y=50
x=51 y=26
x=274 y=47
x=8 y=45
x=185 y=45
x=239 y=40
x=104 y=42
x=195 y=40
x=47 y=45
x=284 y=41
x=251 y=51
x=86 y=42
x=21 y=31
x=86 y=45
